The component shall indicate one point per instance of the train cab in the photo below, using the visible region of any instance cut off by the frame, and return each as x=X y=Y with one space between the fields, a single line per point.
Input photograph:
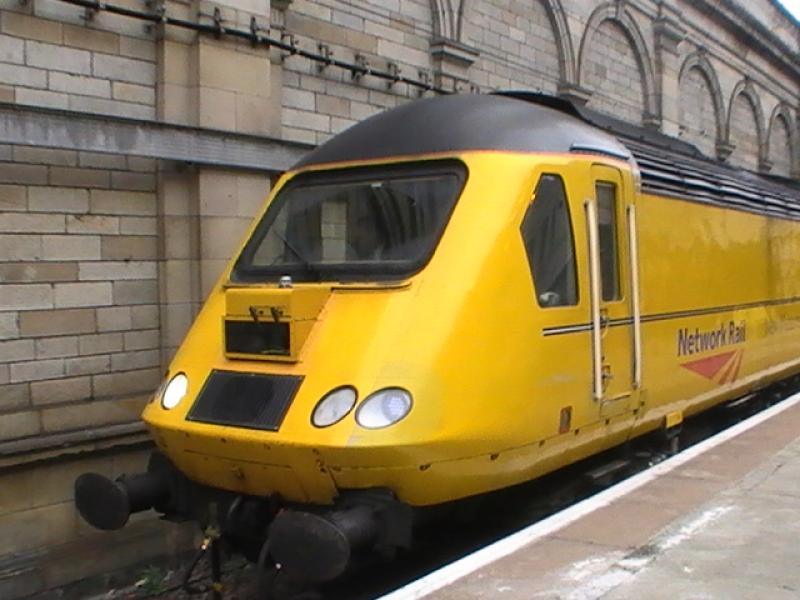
x=408 y=286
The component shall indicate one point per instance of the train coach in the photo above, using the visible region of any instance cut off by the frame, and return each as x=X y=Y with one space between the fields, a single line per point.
x=450 y=298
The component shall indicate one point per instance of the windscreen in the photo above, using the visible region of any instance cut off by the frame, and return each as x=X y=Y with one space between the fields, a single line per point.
x=353 y=224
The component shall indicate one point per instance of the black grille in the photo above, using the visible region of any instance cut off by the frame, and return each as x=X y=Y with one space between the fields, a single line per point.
x=711 y=183
x=264 y=337
x=245 y=400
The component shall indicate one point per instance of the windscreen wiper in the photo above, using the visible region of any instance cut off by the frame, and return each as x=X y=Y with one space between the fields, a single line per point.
x=303 y=260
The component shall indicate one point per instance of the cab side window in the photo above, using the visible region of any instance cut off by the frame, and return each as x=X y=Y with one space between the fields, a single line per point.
x=549 y=244
x=607 y=234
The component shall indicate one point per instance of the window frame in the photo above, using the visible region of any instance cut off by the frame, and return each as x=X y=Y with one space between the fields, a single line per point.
x=347 y=273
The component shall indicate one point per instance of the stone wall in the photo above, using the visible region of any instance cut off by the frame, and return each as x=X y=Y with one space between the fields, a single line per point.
x=108 y=245
x=681 y=67
x=50 y=57
x=79 y=290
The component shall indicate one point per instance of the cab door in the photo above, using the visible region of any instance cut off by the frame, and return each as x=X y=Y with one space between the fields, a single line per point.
x=615 y=322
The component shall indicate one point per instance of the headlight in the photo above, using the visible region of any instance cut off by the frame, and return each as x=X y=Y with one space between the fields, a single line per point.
x=333 y=407
x=384 y=408
x=175 y=391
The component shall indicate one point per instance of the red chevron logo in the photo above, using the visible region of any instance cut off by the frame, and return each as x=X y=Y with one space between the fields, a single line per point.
x=721 y=368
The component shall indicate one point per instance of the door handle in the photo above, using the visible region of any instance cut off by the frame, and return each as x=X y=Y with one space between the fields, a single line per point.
x=604 y=320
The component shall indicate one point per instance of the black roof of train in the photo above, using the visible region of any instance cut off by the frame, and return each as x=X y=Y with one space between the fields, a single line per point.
x=534 y=122
x=461 y=122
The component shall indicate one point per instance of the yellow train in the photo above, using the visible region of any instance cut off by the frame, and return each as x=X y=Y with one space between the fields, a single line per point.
x=453 y=297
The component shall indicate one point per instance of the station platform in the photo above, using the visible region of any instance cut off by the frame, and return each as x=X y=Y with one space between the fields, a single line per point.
x=718 y=521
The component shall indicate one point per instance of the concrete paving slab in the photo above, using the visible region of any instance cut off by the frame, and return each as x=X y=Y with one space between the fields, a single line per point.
x=622 y=524
x=724 y=466
x=782 y=481
x=681 y=493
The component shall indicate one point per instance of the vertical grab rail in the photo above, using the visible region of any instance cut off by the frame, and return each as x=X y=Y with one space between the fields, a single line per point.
x=594 y=279
x=633 y=240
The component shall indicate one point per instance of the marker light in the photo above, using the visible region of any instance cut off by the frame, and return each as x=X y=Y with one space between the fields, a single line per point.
x=333 y=407
x=175 y=391
x=383 y=408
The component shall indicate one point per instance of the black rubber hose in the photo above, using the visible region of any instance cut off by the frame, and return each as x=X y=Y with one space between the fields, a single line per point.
x=216 y=571
x=186 y=585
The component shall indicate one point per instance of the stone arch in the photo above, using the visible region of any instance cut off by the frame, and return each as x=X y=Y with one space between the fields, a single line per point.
x=448 y=18
x=616 y=13
x=698 y=61
x=781 y=165
x=540 y=54
x=746 y=152
x=566 y=53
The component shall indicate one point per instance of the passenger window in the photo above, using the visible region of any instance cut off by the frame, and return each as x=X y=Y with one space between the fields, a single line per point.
x=607 y=237
x=549 y=244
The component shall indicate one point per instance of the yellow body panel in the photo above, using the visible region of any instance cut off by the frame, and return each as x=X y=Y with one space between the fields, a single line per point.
x=466 y=337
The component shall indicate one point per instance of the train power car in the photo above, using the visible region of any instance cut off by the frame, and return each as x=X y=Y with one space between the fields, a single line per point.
x=453 y=297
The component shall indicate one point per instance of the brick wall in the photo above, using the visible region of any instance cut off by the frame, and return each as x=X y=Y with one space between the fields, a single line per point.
x=518 y=46
x=45 y=544
x=610 y=70
x=79 y=295
x=697 y=115
x=780 y=147
x=744 y=133
x=60 y=62
x=317 y=104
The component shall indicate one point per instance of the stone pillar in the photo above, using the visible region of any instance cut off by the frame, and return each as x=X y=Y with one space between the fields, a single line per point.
x=176 y=100
x=573 y=92
x=179 y=248
x=215 y=83
x=668 y=33
x=724 y=150
x=451 y=62
x=227 y=202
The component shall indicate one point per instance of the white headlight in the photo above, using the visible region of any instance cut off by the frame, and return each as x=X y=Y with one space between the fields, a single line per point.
x=384 y=408
x=333 y=407
x=175 y=391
